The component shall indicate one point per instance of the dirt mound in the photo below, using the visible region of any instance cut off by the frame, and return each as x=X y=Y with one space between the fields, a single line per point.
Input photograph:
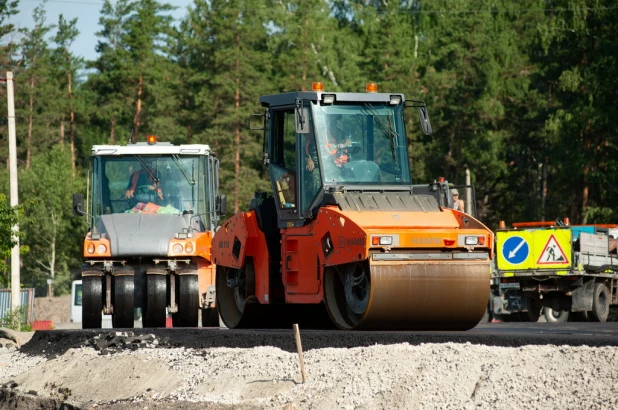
x=432 y=376
x=57 y=308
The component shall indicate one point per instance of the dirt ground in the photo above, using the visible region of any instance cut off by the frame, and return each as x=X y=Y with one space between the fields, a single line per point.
x=57 y=308
x=401 y=376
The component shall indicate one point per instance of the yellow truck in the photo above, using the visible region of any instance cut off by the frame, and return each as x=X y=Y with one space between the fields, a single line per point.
x=556 y=270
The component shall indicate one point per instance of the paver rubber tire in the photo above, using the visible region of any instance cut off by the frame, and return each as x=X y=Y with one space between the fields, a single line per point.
x=555 y=316
x=92 y=302
x=187 y=298
x=600 y=303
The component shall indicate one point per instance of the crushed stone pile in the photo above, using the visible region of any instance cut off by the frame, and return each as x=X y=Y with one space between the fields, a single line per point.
x=402 y=376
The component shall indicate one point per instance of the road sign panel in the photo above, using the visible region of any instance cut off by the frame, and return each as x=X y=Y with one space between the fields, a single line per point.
x=515 y=250
x=552 y=248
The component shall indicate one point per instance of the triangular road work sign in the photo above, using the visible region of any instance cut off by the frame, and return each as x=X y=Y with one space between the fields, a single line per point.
x=552 y=253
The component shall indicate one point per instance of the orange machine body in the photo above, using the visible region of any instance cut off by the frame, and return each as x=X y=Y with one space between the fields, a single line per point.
x=303 y=255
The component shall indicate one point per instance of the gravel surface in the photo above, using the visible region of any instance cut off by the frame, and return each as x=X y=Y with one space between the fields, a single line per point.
x=399 y=376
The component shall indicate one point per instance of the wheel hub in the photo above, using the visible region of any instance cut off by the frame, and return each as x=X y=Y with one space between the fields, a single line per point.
x=238 y=283
x=356 y=287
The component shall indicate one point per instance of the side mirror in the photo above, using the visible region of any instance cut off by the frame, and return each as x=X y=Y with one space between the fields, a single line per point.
x=302 y=120
x=221 y=204
x=423 y=116
x=78 y=205
x=256 y=122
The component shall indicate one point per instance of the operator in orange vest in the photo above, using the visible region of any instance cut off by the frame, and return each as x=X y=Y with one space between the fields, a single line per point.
x=335 y=145
x=142 y=187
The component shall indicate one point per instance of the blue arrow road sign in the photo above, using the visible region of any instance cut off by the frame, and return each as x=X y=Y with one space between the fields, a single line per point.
x=515 y=250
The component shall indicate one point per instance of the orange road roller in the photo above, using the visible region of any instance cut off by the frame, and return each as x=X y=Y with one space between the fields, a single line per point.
x=346 y=239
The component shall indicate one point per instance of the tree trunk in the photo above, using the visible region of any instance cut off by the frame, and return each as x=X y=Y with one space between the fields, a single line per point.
x=584 y=214
x=138 y=108
x=544 y=188
x=237 y=136
x=305 y=36
x=62 y=130
x=112 y=132
x=30 y=119
x=52 y=257
x=72 y=126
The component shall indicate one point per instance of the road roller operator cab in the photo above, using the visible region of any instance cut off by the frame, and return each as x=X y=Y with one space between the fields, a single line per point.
x=153 y=208
x=345 y=236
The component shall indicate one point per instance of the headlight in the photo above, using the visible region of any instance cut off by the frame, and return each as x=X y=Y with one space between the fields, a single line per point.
x=381 y=240
x=386 y=240
x=90 y=248
x=189 y=247
x=472 y=240
x=177 y=248
x=101 y=249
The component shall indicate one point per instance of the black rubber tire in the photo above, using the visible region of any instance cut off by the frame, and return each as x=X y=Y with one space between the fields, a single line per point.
x=210 y=317
x=92 y=302
x=123 y=301
x=188 y=301
x=156 y=301
x=555 y=316
x=534 y=310
x=600 y=303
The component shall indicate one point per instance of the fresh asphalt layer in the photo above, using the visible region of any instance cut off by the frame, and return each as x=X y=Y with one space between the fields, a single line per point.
x=51 y=343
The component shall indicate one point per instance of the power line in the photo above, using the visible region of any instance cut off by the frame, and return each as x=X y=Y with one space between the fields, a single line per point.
x=86 y=3
x=441 y=11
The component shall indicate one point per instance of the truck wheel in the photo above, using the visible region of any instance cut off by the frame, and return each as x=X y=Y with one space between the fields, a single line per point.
x=555 y=316
x=600 y=303
x=534 y=310
x=92 y=305
x=156 y=300
x=122 y=300
x=187 y=299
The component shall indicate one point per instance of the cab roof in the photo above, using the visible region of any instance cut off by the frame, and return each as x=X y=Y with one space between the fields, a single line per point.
x=143 y=148
x=274 y=100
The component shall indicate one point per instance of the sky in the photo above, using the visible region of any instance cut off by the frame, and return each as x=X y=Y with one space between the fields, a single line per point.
x=87 y=13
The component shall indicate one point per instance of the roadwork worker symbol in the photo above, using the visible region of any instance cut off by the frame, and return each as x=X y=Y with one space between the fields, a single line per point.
x=552 y=253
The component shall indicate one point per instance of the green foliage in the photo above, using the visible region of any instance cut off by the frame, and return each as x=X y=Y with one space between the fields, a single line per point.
x=16 y=320
x=8 y=218
x=52 y=233
x=521 y=93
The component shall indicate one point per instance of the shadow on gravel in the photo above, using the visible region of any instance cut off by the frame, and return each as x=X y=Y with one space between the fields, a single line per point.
x=9 y=399
x=51 y=343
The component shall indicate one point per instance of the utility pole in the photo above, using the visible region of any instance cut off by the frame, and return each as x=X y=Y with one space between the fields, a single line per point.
x=15 y=277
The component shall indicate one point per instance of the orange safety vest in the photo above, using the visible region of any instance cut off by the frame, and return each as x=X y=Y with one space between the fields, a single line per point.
x=135 y=178
x=331 y=146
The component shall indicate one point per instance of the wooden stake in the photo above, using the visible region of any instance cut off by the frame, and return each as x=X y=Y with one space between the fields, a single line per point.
x=300 y=352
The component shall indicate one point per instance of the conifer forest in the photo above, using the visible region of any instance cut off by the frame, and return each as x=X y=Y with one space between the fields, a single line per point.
x=522 y=93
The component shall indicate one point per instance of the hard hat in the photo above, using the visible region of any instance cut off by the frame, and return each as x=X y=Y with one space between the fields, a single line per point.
x=454 y=192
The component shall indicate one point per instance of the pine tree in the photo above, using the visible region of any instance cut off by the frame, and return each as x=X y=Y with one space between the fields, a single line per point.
x=66 y=66
x=36 y=84
x=578 y=64
x=232 y=66
x=8 y=51
x=302 y=40
x=108 y=85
